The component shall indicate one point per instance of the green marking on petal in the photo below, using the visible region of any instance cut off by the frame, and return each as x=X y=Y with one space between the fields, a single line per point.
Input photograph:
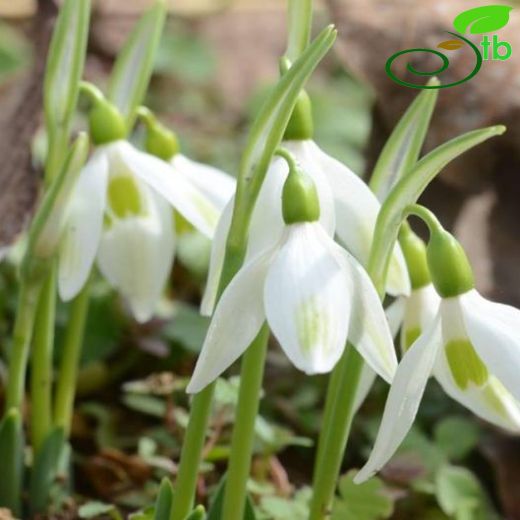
x=494 y=394
x=310 y=325
x=410 y=335
x=465 y=364
x=123 y=196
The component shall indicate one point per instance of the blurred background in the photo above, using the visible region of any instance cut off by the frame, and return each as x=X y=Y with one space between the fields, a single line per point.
x=217 y=59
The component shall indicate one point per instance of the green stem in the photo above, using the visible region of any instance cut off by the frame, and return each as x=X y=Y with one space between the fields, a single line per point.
x=251 y=375
x=69 y=365
x=192 y=447
x=41 y=362
x=425 y=215
x=336 y=429
x=22 y=335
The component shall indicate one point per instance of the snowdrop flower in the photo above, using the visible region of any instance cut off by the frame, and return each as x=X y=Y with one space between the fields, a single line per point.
x=120 y=213
x=218 y=187
x=472 y=347
x=414 y=313
x=312 y=293
x=349 y=208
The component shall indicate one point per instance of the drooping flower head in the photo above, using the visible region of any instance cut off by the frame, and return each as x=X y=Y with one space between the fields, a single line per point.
x=313 y=294
x=472 y=347
x=348 y=208
x=121 y=214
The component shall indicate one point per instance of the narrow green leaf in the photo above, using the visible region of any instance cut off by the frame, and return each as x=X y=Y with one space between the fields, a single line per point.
x=49 y=220
x=408 y=190
x=403 y=147
x=11 y=457
x=299 y=20
x=215 y=510
x=486 y=18
x=269 y=125
x=45 y=470
x=163 y=504
x=199 y=513
x=134 y=65
x=65 y=64
x=264 y=137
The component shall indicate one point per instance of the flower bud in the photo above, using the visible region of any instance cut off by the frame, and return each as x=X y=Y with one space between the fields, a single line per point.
x=414 y=250
x=300 y=126
x=300 y=201
x=449 y=266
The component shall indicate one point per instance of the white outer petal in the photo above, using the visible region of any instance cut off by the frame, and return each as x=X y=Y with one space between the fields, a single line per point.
x=403 y=399
x=421 y=308
x=216 y=262
x=136 y=254
x=494 y=331
x=82 y=232
x=216 y=185
x=307 y=300
x=170 y=184
x=356 y=214
x=366 y=381
x=238 y=318
x=395 y=314
x=369 y=330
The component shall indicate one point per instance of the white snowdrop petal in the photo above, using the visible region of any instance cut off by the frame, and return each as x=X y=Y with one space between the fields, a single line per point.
x=494 y=331
x=403 y=399
x=356 y=214
x=306 y=297
x=216 y=185
x=237 y=319
x=420 y=310
x=136 y=254
x=366 y=381
x=170 y=184
x=369 y=329
x=267 y=223
x=395 y=315
x=216 y=262
x=80 y=241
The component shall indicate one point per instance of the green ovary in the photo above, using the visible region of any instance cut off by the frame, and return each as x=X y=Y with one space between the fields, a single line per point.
x=123 y=196
x=465 y=365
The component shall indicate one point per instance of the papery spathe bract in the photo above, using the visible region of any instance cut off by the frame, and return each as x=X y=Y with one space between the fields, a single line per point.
x=313 y=294
x=473 y=349
x=119 y=204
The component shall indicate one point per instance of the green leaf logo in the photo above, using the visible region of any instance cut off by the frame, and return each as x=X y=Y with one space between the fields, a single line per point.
x=483 y=19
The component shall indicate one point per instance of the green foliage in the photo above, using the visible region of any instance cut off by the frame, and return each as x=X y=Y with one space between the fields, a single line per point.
x=11 y=457
x=163 y=503
x=214 y=512
x=278 y=508
x=456 y=436
x=95 y=509
x=184 y=56
x=367 y=501
x=342 y=112
x=45 y=471
x=15 y=52
x=461 y=495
